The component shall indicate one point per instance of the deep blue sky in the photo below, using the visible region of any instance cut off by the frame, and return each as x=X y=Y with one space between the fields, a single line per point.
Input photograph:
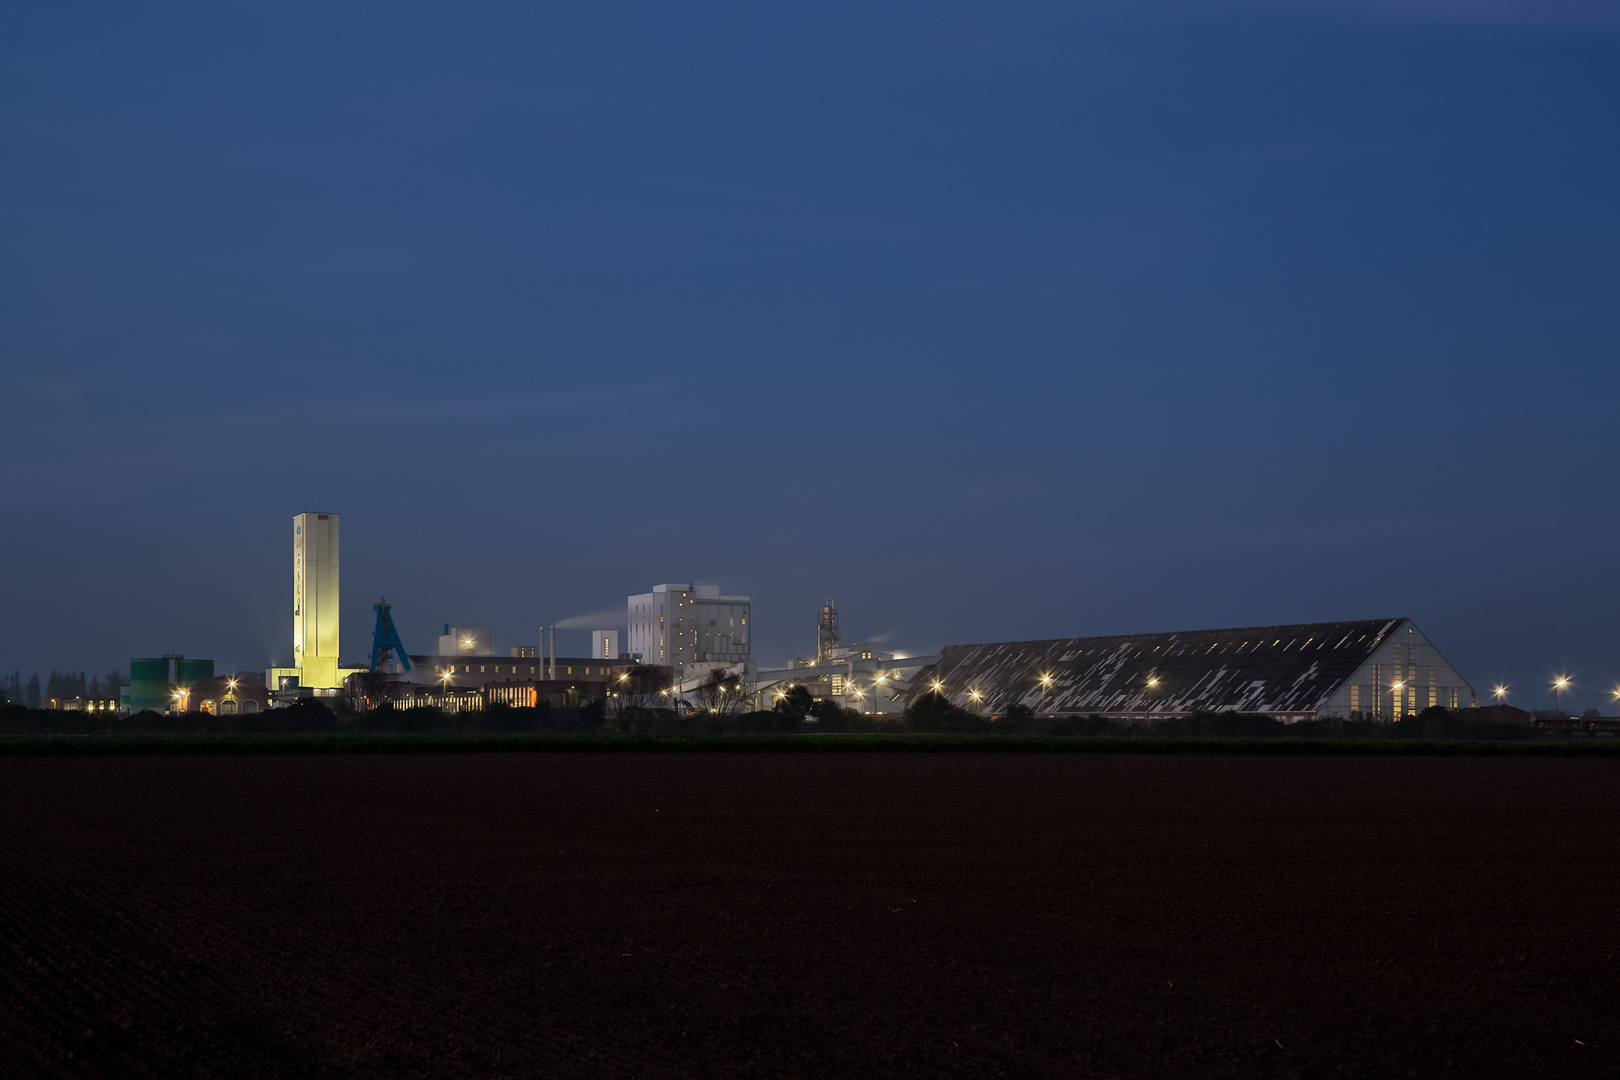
x=1017 y=321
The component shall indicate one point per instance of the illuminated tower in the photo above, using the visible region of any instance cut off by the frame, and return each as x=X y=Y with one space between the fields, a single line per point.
x=315 y=609
x=315 y=599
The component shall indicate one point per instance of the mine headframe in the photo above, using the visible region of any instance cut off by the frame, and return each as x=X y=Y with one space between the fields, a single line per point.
x=385 y=638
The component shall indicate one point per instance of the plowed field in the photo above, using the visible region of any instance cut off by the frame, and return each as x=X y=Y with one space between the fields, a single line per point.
x=786 y=915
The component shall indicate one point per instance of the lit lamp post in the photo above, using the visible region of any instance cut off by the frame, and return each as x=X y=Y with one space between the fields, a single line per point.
x=1501 y=694
x=1558 y=684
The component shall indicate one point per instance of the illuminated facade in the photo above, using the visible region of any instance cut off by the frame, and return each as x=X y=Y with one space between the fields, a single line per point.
x=681 y=625
x=467 y=641
x=315 y=608
x=466 y=671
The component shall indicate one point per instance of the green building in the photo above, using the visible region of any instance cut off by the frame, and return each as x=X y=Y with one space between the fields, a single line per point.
x=161 y=684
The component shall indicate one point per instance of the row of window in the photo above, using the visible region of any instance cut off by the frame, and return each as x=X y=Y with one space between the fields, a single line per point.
x=514 y=669
x=1373 y=699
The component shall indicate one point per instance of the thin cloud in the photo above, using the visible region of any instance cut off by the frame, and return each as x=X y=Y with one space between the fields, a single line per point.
x=1573 y=14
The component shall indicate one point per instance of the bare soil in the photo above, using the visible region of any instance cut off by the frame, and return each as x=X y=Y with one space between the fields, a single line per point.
x=797 y=915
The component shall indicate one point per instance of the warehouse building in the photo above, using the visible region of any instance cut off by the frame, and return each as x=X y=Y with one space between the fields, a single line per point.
x=471 y=672
x=1378 y=668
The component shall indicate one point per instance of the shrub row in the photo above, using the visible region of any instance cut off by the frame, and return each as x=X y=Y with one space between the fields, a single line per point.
x=383 y=743
x=932 y=714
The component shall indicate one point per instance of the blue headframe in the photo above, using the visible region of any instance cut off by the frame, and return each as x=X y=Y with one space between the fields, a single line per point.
x=385 y=638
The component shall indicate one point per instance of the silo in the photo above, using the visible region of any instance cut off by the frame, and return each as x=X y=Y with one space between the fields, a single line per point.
x=193 y=672
x=148 y=684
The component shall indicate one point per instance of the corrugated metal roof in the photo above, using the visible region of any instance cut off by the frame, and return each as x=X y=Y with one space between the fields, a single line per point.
x=1255 y=669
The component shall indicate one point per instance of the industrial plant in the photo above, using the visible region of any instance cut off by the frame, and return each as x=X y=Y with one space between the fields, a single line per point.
x=686 y=639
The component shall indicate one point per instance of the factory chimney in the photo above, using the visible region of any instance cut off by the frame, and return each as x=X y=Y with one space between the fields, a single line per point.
x=826 y=632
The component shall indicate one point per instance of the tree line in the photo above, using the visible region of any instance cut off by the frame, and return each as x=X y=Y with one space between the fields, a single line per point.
x=60 y=685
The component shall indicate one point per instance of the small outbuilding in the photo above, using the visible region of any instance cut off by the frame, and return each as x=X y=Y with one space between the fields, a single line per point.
x=228 y=695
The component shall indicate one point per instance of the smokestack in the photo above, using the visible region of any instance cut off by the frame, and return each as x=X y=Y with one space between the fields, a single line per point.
x=553 y=652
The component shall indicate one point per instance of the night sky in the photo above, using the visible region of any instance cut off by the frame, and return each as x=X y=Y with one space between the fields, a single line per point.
x=1004 y=322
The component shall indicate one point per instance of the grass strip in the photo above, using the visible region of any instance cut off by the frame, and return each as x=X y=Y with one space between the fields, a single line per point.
x=173 y=745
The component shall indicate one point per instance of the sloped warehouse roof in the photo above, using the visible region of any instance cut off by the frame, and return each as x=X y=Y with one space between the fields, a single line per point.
x=1277 y=670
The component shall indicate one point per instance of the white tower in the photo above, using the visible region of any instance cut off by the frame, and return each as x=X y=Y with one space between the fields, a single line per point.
x=315 y=599
x=315 y=605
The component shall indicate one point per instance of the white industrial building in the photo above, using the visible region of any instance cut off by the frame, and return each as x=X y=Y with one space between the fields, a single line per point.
x=679 y=626
x=467 y=641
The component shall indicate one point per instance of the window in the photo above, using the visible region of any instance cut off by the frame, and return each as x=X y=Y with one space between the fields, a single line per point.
x=1355 y=698
x=1434 y=695
x=1452 y=696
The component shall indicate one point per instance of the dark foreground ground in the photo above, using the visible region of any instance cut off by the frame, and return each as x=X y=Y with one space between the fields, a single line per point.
x=809 y=915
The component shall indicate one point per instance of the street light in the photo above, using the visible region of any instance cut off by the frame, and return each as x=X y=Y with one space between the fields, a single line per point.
x=1501 y=693
x=1558 y=684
